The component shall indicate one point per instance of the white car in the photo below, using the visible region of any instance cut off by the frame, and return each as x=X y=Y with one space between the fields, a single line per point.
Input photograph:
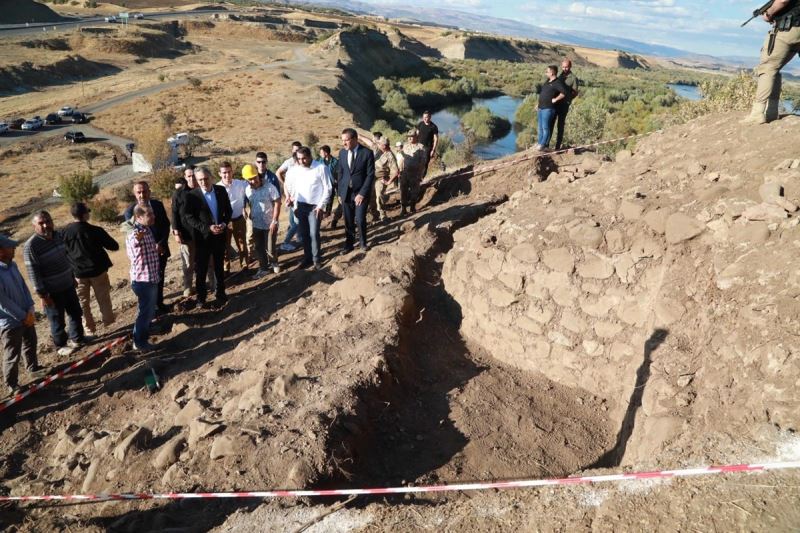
x=34 y=123
x=138 y=16
x=112 y=18
x=3 y=127
x=65 y=111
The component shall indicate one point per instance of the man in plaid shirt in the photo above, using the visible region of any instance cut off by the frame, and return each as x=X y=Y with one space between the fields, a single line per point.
x=143 y=253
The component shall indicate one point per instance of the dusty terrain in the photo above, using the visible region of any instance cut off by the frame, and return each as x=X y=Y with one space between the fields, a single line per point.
x=560 y=315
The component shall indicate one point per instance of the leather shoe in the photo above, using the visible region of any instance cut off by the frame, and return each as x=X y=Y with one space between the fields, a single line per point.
x=304 y=265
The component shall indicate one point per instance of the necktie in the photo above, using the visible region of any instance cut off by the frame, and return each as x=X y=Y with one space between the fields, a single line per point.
x=351 y=155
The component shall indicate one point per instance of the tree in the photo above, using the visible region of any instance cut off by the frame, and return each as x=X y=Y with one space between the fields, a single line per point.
x=168 y=119
x=152 y=144
x=77 y=187
x=89 y=155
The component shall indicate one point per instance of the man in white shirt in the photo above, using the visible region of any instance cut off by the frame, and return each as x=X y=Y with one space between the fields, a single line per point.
x=287 y=245
x=264 y=200
x=237 y=227
x=308 y=188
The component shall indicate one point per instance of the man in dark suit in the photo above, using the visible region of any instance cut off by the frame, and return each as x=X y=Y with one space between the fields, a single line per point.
x=160 y=229
x=356 y=179
x=207 y=213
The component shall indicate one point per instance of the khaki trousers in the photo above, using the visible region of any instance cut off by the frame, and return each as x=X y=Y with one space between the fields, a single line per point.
x=102 y=293
x=237 y=232
x=187 y=267
x=787 y=44
x=380 y=196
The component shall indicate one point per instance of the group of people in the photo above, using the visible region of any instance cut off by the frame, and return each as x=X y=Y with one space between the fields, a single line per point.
x=555 y=97
x=208 y=221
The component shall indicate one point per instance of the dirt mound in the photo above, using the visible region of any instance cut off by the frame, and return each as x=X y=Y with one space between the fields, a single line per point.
x=246 y=30
x=145 y=41
x=658 y=282
x=64 y=71
x=58 y=44
x=22 y=11
x=485 y=47
x=612 y=58
x=365 y=54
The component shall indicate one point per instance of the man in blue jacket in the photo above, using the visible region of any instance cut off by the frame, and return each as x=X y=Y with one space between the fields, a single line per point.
x=17 y=321
x=356 y=179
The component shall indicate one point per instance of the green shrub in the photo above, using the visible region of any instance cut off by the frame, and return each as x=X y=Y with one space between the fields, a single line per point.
x=310 y=139
x=459 y=154
x=162 y=184
x=124 y=193
x=106 y=209
x=484 y=125
x=77 y=187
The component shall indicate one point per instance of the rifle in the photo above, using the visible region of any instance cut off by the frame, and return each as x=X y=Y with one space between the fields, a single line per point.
x=758 y=12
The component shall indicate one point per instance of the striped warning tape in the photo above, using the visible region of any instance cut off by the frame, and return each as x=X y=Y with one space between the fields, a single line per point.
x=459 y=487
x=60 y=374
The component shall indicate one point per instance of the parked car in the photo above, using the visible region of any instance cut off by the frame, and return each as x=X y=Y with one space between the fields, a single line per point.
x=16 y=124
x=3 y=127
x=74 y=136
x=79 y=118
x=34 y=123
x=65 y=111
x=52 y=118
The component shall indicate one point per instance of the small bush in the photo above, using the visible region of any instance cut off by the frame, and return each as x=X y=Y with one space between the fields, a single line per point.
x=162 y=77
x=105 y=209
x=484 y=125
x=124 y=193
x=152 y=144
x=194 y=82
x=77 y=187
x=460 y=154
x=310 y=139
x=90 y=4
x=162 y=183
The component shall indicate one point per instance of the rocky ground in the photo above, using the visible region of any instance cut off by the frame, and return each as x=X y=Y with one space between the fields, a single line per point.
x=635 y=314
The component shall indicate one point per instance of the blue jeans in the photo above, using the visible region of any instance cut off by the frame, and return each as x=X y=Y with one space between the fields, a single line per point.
x=147 y=293
x=545 y=119
x=65 y=302
x=292 y=227
x=309 y=232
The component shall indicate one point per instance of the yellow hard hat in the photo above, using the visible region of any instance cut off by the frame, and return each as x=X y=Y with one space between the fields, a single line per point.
x=249 y=172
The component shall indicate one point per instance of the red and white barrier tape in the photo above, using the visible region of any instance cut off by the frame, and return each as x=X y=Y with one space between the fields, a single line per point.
x=662 y=474
x=60 y=374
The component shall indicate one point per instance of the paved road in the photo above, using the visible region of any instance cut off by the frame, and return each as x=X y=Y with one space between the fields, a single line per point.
x=16 y=30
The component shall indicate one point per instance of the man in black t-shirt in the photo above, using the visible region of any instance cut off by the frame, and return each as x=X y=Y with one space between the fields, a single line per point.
x=428 y=136
x=551 y=93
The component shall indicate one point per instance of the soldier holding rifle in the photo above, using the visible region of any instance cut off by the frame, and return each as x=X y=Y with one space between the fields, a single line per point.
x=781 y=44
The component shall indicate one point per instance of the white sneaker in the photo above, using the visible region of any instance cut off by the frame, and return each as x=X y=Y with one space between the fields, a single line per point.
x=74 y=345
x=276 y=269
x=65 y=351
x=260 y=273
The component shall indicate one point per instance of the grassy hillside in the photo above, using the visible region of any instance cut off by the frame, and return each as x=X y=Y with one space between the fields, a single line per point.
x=22 y=11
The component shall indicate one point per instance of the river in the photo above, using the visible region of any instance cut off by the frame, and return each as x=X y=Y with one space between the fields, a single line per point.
x=692 y=92
x=449 y=122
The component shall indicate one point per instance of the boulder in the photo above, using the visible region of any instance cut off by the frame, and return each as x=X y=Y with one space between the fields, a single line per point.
x=680 y=228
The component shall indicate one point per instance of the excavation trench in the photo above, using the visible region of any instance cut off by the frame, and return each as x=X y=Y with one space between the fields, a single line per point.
x=444 y=411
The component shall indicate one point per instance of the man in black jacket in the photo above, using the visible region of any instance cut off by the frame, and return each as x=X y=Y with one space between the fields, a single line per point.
x=207 y=213
x=86 y=247
x=356 y=179
x=160 y=230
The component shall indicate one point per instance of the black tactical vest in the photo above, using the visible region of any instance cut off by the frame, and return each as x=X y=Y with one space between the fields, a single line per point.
x=789 y=18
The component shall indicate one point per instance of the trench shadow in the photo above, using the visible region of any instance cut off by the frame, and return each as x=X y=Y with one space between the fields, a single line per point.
x=614 y=456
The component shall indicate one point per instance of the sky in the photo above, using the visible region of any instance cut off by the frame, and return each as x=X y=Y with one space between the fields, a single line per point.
x=704 y=27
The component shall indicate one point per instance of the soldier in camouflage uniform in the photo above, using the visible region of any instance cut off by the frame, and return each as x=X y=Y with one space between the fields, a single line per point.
x=386 y=173
x=414 y=161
